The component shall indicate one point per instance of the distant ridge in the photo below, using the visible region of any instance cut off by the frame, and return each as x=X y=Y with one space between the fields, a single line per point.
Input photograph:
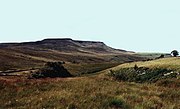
x=36 y=53
x=66 y=44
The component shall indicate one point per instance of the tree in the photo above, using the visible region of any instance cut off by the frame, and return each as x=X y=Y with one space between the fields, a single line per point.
x=162 y=56
x=175 y=53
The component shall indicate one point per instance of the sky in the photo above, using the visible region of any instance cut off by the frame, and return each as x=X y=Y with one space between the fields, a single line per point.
x=135 y=25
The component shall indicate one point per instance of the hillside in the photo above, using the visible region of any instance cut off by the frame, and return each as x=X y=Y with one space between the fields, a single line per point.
x=172 y=63
x=165 y=71
x=66 y=45
x=97 y=91
x=32 y=55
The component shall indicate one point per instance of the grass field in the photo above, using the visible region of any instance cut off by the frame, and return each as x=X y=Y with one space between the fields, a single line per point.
x=87 y=92
x=81 y=69
x=169 y=63
x=92 y=92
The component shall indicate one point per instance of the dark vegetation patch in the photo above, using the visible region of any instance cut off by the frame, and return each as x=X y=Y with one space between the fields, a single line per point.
x=117 y=103
x=52 y=70
x=143 y=74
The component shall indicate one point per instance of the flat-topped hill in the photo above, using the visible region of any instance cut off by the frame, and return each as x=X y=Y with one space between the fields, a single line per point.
x=27 y=55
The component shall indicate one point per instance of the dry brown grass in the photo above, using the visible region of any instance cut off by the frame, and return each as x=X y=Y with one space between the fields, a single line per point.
x=85 y=92
x=97 y=91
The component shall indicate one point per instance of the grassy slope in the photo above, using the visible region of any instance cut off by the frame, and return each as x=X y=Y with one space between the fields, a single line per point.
x=153 y=55
x=169 y=63
x=76 y=62
x=97 y=91
x=80 y=69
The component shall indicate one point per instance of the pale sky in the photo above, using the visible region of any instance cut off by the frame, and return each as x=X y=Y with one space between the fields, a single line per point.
x=136 y=25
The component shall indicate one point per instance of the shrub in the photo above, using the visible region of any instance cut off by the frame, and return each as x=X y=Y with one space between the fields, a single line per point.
x=71 y=106
x=118 y=103
x=52 y=69
x=139 y=74
x=135 y=67
x=175 y=53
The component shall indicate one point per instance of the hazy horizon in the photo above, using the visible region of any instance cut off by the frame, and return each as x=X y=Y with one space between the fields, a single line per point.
x=140 y=26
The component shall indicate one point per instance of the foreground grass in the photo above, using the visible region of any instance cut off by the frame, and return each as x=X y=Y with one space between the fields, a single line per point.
x=85 y=93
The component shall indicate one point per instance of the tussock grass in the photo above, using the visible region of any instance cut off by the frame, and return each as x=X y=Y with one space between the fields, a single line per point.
x=86 y=92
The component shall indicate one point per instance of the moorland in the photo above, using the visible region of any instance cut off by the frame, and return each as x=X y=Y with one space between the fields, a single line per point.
x=100 y=77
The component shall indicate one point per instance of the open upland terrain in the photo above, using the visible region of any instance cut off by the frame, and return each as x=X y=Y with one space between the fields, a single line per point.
x=69 y=74
x=79 y=56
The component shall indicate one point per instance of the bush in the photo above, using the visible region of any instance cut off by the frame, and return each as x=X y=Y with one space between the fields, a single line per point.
x=139 y=74
x=175 y=53
x=71 y=106
x=135 y=67
x=118 y=103
x=52 y=69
